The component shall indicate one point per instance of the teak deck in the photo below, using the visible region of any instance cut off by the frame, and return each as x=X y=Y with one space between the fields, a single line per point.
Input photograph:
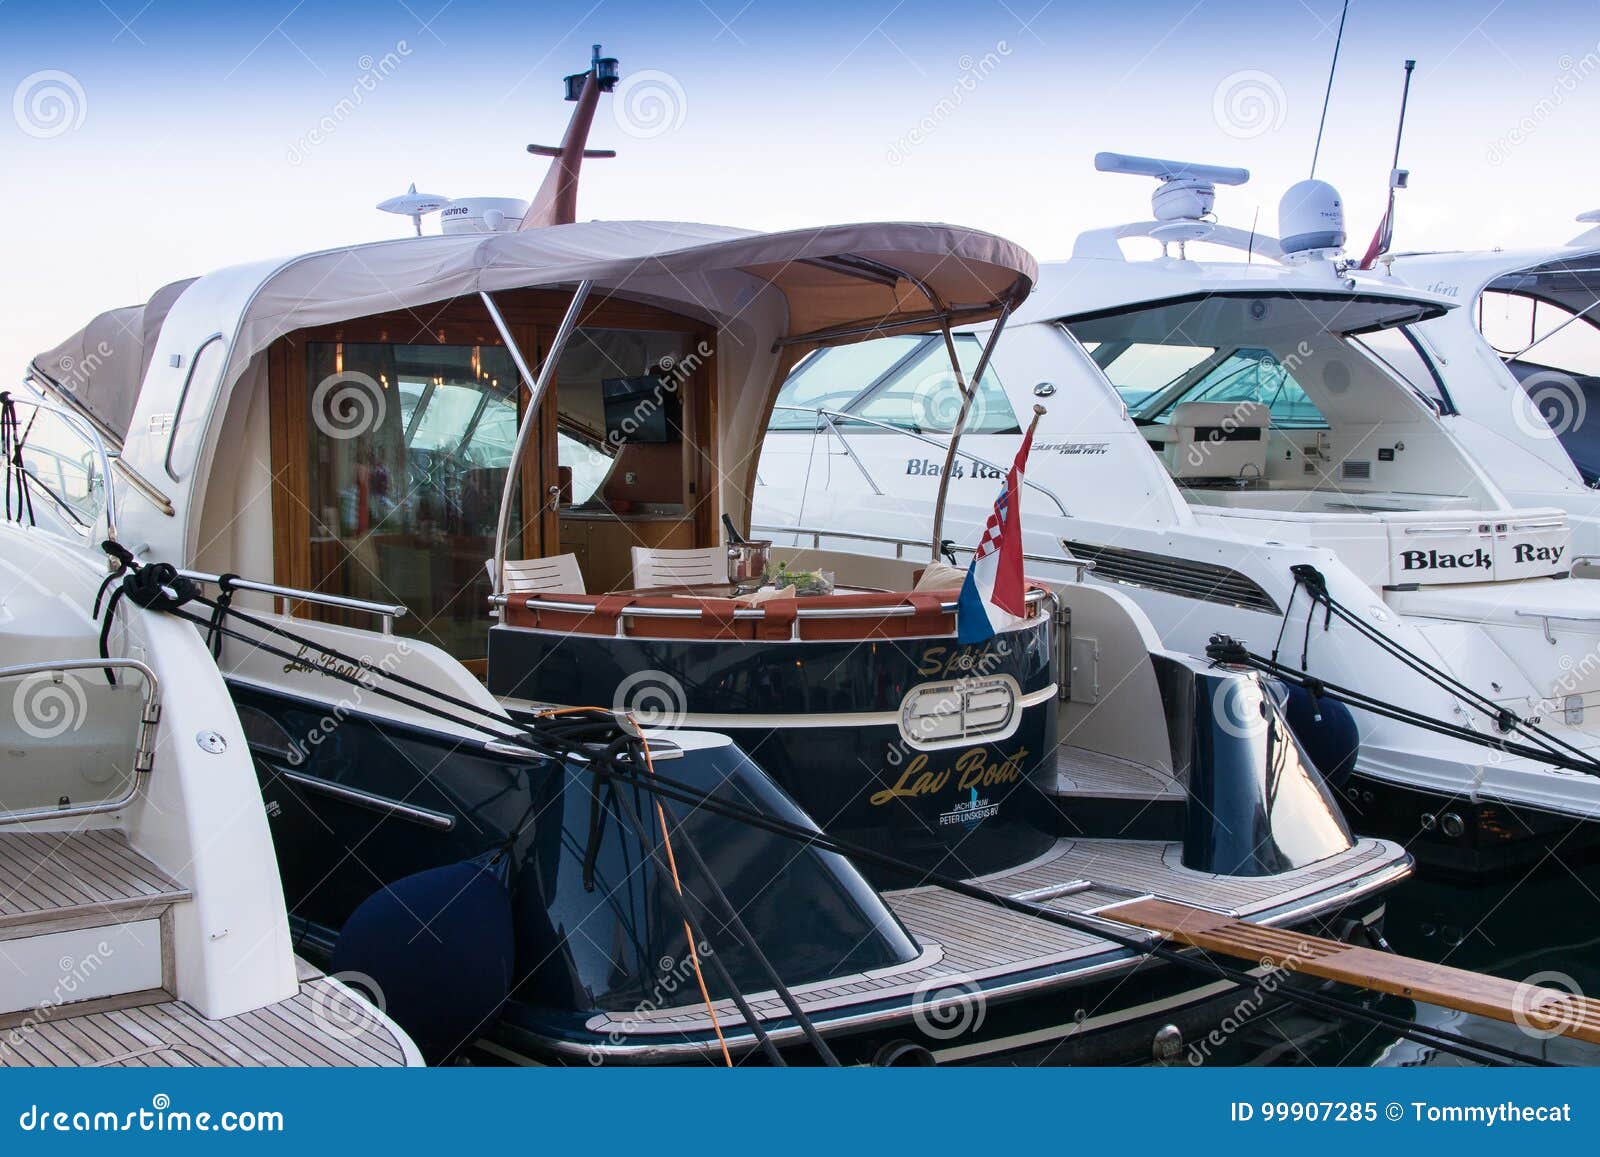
x=968 y=940
x=1538 y=1009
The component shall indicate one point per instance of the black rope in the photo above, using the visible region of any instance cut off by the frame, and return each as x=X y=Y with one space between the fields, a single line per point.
x=12 y=439
x=1193 y=959
x=1549 y=748
x=563 y=737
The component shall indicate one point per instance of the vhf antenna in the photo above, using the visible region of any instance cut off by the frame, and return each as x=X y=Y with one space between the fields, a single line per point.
x=1328 y=95
x=1398 y=179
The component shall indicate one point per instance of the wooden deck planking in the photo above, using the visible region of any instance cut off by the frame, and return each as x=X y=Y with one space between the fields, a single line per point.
x=295 y=1032
x=61 y=875
x=1081 y=772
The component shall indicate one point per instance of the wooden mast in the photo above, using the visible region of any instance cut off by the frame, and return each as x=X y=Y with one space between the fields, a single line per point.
x=556 y=202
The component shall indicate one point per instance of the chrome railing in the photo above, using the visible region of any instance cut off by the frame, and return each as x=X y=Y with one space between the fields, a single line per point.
x=387 y=612
x=144 y=741
x=1034 y=597
x=817 y=534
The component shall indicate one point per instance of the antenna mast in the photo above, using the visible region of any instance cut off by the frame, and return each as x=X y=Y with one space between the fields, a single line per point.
x=1328 y=95
x=556 y=202
x=1398 y=179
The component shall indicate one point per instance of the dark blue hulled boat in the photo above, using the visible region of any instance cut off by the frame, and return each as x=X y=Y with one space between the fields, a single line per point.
x=737 y=853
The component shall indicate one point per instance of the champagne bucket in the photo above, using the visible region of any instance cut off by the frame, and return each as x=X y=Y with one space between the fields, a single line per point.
x=747 y=561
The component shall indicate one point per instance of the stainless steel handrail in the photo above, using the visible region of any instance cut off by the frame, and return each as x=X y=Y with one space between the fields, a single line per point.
x=183 y=397
x=1546 y=618
x=817 y=534
x=388 y=612
x=91 y=436
x=913 y=434
x=1034 y=597
x=144 y=742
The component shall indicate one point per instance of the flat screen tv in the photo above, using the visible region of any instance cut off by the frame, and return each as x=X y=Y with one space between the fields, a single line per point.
x=637 y=409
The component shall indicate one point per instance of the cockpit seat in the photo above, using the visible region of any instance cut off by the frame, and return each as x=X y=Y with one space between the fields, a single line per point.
x=1215 y=440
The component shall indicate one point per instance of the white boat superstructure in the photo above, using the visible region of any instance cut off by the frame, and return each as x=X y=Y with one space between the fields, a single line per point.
x=1521 y=357
x=141 y=917
x=1213 y=424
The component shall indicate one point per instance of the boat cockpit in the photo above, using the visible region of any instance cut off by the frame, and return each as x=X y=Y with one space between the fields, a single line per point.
x=1287 y=402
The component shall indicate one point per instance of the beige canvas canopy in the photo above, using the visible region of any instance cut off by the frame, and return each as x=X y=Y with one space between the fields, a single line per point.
x=100 y=367
x=839 y=283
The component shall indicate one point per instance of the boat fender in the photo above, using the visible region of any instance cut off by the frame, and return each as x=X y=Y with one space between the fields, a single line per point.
x=1326 y=731
x=439 y=948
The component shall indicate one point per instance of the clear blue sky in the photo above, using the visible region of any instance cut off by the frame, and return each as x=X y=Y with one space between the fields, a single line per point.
x=187 y=136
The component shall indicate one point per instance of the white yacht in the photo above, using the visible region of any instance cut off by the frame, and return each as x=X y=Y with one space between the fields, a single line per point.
x=142 y=922
x=1215 y=427
x=1528 y=318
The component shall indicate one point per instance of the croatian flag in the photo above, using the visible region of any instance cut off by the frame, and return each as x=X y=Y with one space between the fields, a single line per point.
x=992 y=597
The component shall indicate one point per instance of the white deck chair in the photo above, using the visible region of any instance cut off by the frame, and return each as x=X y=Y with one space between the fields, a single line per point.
x=655 y=567
x=559 y=574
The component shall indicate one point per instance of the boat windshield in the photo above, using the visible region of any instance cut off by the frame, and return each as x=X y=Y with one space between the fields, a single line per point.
x=66 y=466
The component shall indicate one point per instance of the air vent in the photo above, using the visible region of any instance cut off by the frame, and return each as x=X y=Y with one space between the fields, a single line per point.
x=1174 y=576
x=1355 y=471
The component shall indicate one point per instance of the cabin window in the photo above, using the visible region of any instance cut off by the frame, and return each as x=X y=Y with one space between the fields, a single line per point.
x=409 y=448
x=1141 y=370
x=1400 y=352
x=625 y=478
x=1540 y=334
x=922 y=394
x=901 y=382
x=1254 y=375
x=830 y=379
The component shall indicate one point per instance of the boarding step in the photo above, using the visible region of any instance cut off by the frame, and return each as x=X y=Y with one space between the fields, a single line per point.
x=85 y=924
x=1528 y=1006
x=1100 y=796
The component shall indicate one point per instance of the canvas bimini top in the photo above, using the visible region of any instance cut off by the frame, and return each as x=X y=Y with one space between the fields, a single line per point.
x=771 y=297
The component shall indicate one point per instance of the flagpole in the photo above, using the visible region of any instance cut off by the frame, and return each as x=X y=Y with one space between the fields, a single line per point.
x=967 y=395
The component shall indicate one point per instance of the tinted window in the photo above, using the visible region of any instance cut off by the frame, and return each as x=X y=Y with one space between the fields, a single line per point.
x=1254 y=375
x=1141 y=370
x=923 y=395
